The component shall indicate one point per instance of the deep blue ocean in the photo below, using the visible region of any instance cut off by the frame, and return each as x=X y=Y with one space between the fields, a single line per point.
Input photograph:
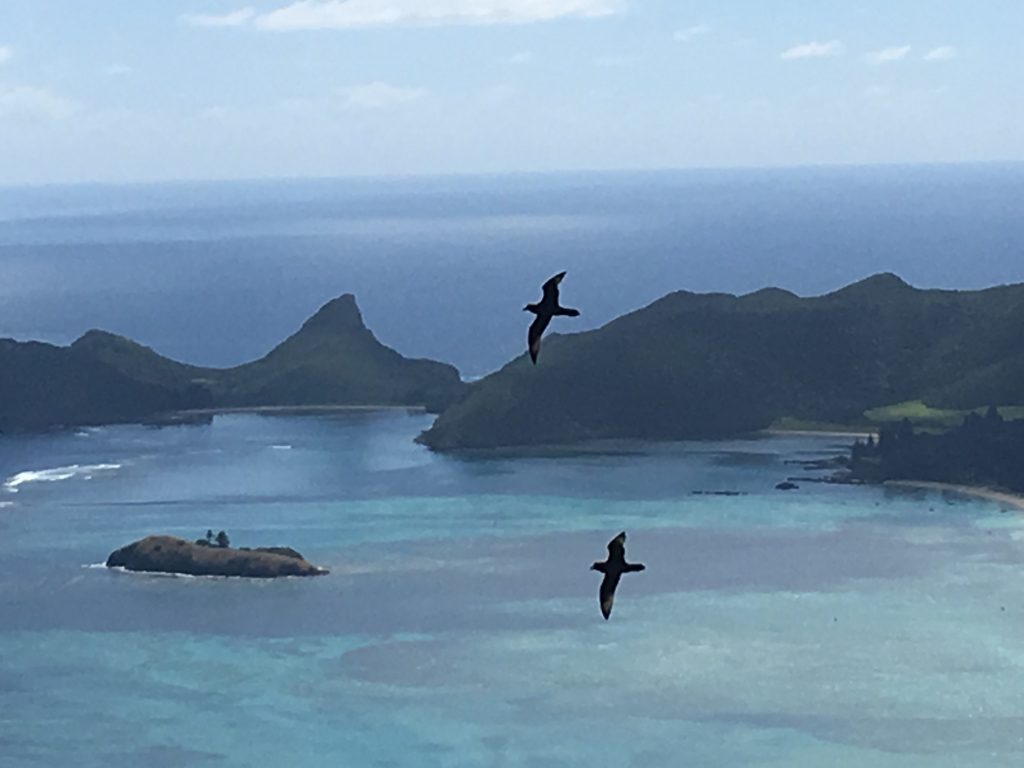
x=834 y=626
x=217 y=273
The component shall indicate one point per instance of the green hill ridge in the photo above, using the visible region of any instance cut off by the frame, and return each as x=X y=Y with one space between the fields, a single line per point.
x=42 y=386
x=715 y=365
x=333 y=359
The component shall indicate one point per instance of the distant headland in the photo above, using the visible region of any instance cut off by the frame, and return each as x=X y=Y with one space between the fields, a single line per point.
x=688 y=366
x=102 y=378
x=696 y=366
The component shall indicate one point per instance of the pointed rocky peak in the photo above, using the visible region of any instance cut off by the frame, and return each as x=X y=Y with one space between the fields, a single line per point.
x=340 y=314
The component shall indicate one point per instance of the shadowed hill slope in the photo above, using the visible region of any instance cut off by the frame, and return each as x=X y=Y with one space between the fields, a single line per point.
x=42 y=386
x=711 y=365
x=137 y=361
x=334 y=359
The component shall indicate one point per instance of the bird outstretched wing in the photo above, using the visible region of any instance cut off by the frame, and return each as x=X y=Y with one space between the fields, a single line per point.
x=617 y=548
x=551 y=289
x=533 y=337
x=607 y=594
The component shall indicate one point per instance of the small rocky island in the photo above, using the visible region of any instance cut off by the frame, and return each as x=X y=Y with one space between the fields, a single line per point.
x=168 y=554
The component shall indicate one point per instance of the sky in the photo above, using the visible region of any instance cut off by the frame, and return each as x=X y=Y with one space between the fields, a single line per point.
x=148 y=90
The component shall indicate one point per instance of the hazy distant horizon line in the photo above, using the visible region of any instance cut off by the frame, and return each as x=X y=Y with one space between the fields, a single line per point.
x=467 y=175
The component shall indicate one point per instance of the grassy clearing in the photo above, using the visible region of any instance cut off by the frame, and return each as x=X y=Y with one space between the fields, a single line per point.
x=918 y=412
x=925 y=416
x=921 y=415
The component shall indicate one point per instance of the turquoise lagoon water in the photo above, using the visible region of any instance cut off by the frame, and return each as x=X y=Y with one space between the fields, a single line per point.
x=830 y=626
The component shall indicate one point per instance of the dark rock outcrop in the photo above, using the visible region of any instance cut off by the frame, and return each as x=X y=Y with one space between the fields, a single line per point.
x=168 y=554
x=284 y=551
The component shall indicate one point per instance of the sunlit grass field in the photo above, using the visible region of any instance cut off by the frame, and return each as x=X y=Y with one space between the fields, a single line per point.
x=920 y=414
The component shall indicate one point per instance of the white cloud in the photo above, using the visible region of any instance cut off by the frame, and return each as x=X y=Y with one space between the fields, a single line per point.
x=686 y=34
x=6 y=53
x=117 y=70
x=814 y=50
x=380 y=95
x=354 y=14
x=888 y=55
x=233 y=19
x=522 y=57
x=942 y=53
x=25 y=102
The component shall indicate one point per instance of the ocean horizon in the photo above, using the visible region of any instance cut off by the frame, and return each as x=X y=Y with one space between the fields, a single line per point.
x=838 y=625
x=216 y=273
x=564 y=383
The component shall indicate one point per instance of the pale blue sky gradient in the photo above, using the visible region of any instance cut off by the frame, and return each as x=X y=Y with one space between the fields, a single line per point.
x=109 y=90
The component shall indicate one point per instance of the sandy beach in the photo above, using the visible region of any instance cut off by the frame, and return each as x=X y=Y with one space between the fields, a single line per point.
x=1003 y=497
x=295 y=410
x=856 y=434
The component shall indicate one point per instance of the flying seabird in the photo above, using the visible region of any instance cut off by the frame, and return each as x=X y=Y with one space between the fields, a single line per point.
x=613 y=568
x=545 y=310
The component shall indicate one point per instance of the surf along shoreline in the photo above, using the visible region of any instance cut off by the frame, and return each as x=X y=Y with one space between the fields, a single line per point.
x=1010 y=499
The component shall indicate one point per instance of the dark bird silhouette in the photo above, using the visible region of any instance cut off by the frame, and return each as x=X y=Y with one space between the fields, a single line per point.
x=613 y=568
x=545 y=310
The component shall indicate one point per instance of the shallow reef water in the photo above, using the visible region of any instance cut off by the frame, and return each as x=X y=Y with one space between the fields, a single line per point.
x=831 y=625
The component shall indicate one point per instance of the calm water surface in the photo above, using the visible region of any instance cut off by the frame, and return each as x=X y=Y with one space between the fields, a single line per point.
x=836 y=626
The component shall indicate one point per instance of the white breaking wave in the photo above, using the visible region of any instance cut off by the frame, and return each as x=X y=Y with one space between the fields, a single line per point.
x=281 y=447
x=85 y=471
x=158 y=574
x=190 y=576
x=5 y=504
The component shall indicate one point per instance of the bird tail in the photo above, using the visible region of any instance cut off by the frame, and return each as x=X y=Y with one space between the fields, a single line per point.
x=569 y=311
x=633 y=567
